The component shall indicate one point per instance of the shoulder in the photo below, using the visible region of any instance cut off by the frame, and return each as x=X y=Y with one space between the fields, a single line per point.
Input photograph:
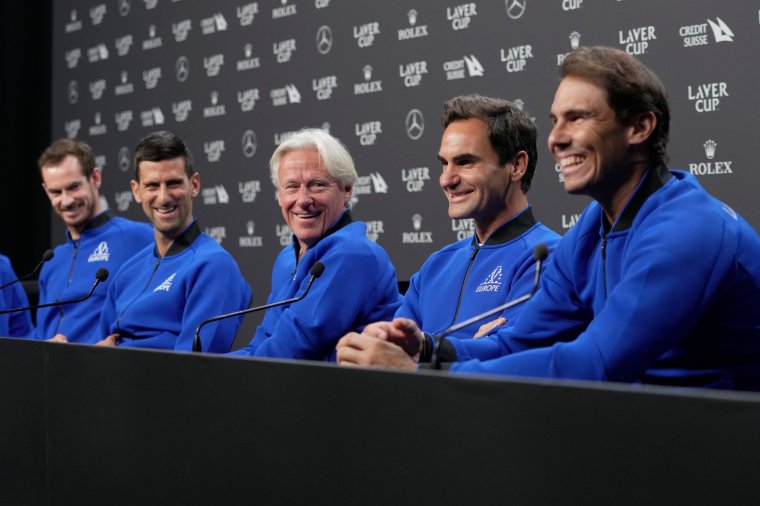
x=130 y=225
x=541 y=233
x=205 y=248
x=351 y=245
x=682 y=207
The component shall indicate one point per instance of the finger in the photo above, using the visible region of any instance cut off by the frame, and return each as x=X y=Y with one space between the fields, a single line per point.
x=350 y=356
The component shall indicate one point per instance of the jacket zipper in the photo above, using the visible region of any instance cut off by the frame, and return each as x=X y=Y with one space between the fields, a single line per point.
x=71 y=276
x=150 y=280
x=604 y=262
x=464 y=282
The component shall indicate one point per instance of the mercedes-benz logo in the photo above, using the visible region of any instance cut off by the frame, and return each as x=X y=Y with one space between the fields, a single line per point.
x=73 y=93
x=515 y=8
x=249 y=143
x=182 y=68
x=415 y=124
x=124 y=6
x=324 y=39
x=125 y=159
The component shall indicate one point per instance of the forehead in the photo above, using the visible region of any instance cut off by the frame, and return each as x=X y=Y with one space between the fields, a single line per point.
x=63 y=173
x=577 y=93
x=301 y=164
x=165 y=169
x=466 y=136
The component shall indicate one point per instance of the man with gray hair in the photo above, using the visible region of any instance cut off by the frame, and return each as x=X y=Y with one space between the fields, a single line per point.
x=314 y=176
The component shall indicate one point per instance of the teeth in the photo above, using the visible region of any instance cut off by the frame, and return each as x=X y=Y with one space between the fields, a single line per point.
x=570 y=160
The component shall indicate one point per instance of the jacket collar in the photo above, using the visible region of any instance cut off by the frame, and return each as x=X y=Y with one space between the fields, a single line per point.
x=97 y=221
x=510 y=230
x=654 y=179
x=344 y=220
x=183 y=240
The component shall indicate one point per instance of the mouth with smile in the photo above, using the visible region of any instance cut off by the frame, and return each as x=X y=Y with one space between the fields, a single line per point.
x=71 y=211
x=307 y=216
x=570 y=164
x=165 y=211
x=459 y=195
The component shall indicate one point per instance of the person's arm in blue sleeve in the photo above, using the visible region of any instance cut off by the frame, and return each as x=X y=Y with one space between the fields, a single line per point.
x=633 y=328
x=352 y=286
x=410 y=306
x=217 y=288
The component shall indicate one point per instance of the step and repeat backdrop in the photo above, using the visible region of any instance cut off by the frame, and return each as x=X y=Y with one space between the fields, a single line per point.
x=235 y=78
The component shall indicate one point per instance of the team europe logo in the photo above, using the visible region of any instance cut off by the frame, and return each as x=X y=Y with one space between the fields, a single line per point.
x=100 y=254
x=492 y=283
x=166 y=285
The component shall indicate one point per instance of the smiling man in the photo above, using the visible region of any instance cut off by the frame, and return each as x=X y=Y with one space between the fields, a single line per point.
x=314 y=176
x=657 y=283
x=160 y=296
x=95 y=239
x=488 y=158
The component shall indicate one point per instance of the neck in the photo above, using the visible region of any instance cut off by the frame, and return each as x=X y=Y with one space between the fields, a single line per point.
x=614 y=204
x=515 y=205
x=164 y=240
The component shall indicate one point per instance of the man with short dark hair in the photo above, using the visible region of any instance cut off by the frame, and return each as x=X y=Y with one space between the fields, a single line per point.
x=160 y=296
x=488 y=158
x=95 y=239
x=658 y=282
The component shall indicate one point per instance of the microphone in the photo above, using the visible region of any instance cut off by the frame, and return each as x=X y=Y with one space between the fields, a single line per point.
x=47 y=255
x=316 y=270
x=100 y=276
x=540 y=252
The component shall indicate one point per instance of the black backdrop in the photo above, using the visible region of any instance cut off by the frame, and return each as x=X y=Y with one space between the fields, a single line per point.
x=234 y=77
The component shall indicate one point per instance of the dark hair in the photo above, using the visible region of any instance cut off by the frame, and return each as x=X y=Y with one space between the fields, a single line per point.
x=632 y=88
x=510 y=130
x=60 y=149
x=160 y=146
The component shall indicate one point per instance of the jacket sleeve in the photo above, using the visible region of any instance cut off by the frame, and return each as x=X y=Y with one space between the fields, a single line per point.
x=356 y=288
x=410 y=305
x=19 y=323
x=217 y=287
x=647 y=312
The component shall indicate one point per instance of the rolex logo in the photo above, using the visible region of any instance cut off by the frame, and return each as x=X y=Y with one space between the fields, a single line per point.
x=710 y=146
x=412 y=15
x=417 y=221
x=367 y=70
x=575 y=40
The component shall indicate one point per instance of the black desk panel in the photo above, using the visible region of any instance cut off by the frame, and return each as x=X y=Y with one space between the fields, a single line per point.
x=143 y=427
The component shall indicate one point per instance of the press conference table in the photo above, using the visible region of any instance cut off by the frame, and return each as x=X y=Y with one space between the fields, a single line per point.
x=90 y=425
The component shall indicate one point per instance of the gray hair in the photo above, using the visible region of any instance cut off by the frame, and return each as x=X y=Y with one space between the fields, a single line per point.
x=334 y=154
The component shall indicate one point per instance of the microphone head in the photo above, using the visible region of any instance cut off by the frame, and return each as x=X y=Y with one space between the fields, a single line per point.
x=47 y=255
x=540 y=252
x=317 y=269
x=102 y=274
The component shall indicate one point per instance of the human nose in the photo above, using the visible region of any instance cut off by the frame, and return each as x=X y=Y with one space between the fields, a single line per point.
x=163 y=195
x=449 y=177
x=66 y=199
x=304 y=197
x=558 y=136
